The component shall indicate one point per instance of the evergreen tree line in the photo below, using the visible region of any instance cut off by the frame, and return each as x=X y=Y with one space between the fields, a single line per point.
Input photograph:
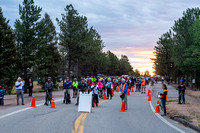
x=33 y=49
x=177 y=53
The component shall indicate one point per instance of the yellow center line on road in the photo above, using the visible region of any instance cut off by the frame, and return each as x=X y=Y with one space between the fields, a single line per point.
x=79 y=123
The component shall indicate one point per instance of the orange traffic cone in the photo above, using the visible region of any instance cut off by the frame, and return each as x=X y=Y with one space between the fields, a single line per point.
x=123 y=106
x=33 y=102
x=132 y=90
x=149 y=91
x=52 y=103
x=128 y=92
x=117 y=88
x=104 y=98
x=157 y=107
x=149 y=99
x=86 y=91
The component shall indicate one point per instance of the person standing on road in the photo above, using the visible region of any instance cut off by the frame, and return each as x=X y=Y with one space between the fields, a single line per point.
x=66 y=86
x=19 y=90
x=82 y=88
x=74 y=85
x=109 y=88
x=48 y=88
x=100 y=86
x=143 y=85
x=30 y=87
x=181 y=89
x=163 y=97
x=95 y=90
x=123 y=90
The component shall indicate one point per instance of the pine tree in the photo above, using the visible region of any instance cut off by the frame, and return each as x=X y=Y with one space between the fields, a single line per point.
x=8 y=55
x=47 y=55
x=25 y=29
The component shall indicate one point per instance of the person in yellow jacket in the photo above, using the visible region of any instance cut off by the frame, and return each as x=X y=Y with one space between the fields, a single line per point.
x=75 y=86
x=143 y=86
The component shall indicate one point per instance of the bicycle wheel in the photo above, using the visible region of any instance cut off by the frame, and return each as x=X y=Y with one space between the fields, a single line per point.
x=181 y=98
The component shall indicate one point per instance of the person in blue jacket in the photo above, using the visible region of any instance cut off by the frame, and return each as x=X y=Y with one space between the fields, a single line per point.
x=123 y=92
x=2 y=93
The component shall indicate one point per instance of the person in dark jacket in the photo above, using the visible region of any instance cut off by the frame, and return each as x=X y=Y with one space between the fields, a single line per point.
x=67 y=85
x=163 y=97
x=2 y=93
x=30 y=87
x=48 y=88
x=181 y=89
x=82 y=88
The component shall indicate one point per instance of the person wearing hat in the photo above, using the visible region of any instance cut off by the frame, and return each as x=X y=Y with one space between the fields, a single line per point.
x=181 y=89
x=82 y=88
x=48 y=88
x=123 y=92
x=19 y=90
x=67 y=85
x=74 y=85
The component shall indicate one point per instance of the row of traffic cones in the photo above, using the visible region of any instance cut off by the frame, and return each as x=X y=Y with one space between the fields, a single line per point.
x=149 y=99
x=34 y=105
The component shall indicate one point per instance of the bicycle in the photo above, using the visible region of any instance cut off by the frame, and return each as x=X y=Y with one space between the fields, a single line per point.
x=48 y=97
x=66 y=97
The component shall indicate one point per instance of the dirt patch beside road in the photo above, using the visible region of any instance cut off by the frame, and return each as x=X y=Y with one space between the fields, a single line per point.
x=189 y=111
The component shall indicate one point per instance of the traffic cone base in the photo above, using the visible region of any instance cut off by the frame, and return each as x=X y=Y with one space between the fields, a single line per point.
x=52 y=103
x=123 y=106
x=157 y=107
x=33 y=102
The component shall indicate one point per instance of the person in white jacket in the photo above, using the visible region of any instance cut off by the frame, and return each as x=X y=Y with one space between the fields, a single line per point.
x=95 y=90
x=19 y=90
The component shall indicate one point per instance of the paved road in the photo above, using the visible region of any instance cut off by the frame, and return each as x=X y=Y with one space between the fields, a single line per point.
x=106 y=118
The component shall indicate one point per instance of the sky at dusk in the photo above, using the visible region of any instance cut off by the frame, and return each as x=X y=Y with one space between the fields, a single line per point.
x=128 y=27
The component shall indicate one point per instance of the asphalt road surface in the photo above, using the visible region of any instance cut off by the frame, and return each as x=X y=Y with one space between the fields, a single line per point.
x=107 y=118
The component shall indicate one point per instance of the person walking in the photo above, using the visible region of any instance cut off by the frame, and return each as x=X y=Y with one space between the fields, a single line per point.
x=163 y=97
x=100 y=86
x=19 y=90
x=181 y=89
x=48 y=88
x=123 y=92
x=82 y=88
x=30 y=87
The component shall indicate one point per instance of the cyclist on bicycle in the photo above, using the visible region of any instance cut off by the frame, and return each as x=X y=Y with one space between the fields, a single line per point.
x=48 y=88
x=181 y=88
x=66 y=86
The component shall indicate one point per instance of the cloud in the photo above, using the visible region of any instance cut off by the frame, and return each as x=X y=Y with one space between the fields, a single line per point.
x=129 y=27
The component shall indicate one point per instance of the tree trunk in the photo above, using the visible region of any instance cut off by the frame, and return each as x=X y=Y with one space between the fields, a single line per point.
x=69 y=65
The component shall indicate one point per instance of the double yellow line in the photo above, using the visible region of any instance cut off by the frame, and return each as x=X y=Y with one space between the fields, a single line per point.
x=79 y=123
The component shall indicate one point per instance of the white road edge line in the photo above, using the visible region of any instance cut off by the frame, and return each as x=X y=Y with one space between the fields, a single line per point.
x=164 y=120
x=21 y=110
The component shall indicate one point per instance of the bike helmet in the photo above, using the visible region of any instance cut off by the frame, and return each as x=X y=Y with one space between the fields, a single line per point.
x=181 y=80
